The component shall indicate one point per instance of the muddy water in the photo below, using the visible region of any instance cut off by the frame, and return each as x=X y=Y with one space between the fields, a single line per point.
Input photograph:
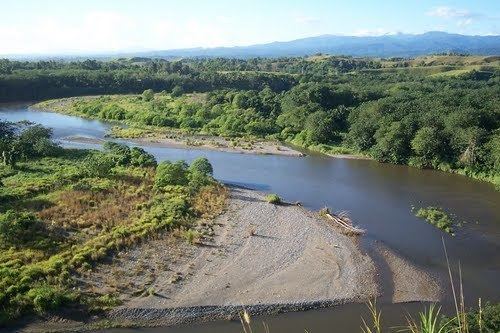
x=379 y=197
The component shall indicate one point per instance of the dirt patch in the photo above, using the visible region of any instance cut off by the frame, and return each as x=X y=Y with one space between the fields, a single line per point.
x=264 y=257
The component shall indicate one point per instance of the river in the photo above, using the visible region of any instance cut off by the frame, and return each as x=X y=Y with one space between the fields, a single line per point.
x=378 y=197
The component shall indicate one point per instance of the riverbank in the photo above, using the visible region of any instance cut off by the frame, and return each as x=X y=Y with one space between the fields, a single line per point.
x=169 y=137
x=263 y=257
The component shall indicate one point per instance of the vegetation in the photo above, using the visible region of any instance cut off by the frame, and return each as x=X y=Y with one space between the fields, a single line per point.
x=394 y=110
x=273 y=199
x=437 y=217
x=64 y=210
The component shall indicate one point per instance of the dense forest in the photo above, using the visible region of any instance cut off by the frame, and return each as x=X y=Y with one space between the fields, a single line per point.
x=436 y=111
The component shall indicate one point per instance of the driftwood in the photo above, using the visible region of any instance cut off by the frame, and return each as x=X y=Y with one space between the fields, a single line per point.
x=343 y=220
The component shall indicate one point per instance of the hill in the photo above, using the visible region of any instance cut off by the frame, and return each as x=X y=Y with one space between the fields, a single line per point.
x=399 y=45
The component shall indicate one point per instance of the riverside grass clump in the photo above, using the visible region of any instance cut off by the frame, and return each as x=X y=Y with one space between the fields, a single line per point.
x=273 y=199
x=60 y=215
x=437 y=217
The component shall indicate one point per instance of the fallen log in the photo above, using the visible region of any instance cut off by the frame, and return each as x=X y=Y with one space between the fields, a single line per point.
x=342 y=219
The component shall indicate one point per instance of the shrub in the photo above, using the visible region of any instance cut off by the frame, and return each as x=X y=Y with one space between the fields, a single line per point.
x=202 y=165
x=119 y=152
x=148 y=95
x=47 y=298
x=168 y=173
x=437 y=217
x=17 y=227
x=98 y=165
x=140 y=157
x=177 y=91
x=191 y=236
x=273 y=199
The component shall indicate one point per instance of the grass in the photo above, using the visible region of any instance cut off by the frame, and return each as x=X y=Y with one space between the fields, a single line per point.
x=273 y=199
x=437 y=217
x=66 y=222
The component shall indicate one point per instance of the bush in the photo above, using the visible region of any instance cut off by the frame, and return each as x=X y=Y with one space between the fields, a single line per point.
x=273 y=199
x=202 y=165
x=17 y=227
x=98 y=165
x=168 y=173
x=437 y=217
x=119 y=152
x=47 y=298
x=140 y=157
x=148 y=95
x=177 y=91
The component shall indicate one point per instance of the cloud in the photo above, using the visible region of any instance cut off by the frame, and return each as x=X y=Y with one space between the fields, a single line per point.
x=110 y=31
x=449 y=12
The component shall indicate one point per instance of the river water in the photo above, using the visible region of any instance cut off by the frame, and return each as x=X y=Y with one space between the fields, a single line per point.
x=378 y=197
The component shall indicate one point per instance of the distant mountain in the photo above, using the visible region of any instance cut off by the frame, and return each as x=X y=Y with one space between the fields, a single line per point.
x=399 y=45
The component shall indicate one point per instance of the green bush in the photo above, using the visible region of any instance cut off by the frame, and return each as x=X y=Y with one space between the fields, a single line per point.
x=141 y=158
x=273 y=199
x=490 y=320
x=437 y=217
x=148 y=95
x=202 y=165
x=46 y=297
x=168 y=173
x=17 y=227
x=119 y=152
x=98 y=164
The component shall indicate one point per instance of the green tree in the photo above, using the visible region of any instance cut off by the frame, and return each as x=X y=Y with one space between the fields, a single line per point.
x=118 y=151
x=202 y=165
x=427 y=143
x=177 y=91
x=168 y=173
x=98 y=164
x=140 y=157
x=148 y=95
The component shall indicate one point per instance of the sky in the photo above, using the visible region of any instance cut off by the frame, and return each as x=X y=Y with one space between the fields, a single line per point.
x=99 y=26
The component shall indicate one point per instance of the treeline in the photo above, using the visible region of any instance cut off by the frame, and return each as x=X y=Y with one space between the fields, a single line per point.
x=22 y=81
x=405 y=116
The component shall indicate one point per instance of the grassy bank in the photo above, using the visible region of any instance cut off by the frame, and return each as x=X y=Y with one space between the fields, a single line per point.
x=424 y=125
x=61 y=215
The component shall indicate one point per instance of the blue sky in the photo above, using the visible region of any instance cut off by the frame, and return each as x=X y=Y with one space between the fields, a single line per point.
x=55 y=26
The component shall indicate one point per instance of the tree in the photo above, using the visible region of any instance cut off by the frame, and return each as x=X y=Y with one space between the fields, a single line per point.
x=98 y=164
x=319 y=127
x=427 y=143
x=202 y=165
x=177 y=91
x=140 y=157
x=148 y=95
x=119 y=152
x=168 y=173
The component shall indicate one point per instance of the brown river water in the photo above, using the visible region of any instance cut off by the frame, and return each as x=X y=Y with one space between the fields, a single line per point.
x=379 y=198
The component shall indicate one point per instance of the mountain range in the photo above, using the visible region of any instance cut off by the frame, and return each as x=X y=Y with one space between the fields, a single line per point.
x=398 y=45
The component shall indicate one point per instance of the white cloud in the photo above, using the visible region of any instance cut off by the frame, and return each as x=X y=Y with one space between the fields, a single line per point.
x=449 y=12
x=105 y=31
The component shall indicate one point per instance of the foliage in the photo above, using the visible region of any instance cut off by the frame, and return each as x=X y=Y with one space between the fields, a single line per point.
x=168 y=173
x=437 y=217
x=58 y=219
x=202 y=165
x=394 y=110
x=273 y=199
x=17 y=227
x=98 y=165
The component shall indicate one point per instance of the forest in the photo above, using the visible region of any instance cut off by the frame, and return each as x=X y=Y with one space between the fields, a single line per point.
x=436 y=111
